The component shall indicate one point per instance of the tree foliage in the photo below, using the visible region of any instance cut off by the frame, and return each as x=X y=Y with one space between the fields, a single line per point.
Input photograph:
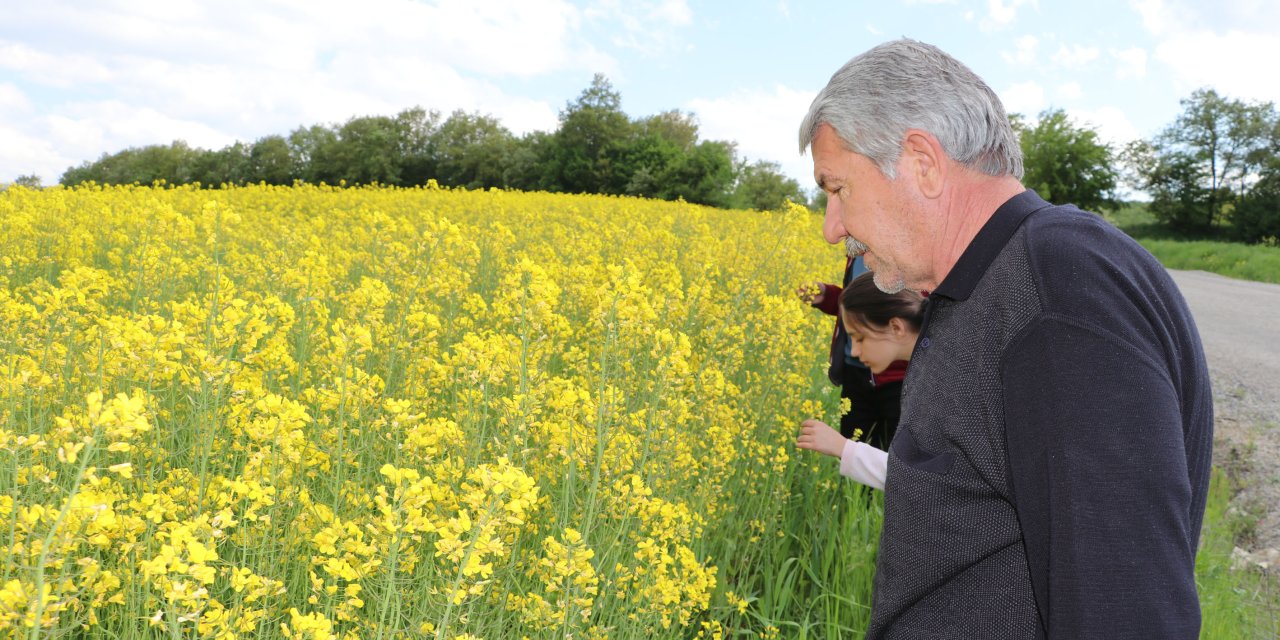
x=1067 y=163
x=761 y=185
x=1202 y=169
x=596 y=148
x=1257 y=217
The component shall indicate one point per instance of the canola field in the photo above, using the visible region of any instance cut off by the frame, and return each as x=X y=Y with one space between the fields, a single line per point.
x=313 y=412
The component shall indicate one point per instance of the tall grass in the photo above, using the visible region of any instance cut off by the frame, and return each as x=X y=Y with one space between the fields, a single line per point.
x=1246 y=262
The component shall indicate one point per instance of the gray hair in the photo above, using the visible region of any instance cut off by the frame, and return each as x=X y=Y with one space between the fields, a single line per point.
x=905 y=84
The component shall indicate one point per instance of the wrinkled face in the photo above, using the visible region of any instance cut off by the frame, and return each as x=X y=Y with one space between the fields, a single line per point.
x=865 y=205
x=877 y=348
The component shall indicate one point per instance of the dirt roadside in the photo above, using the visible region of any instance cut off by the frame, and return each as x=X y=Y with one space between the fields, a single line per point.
x=1239 y=323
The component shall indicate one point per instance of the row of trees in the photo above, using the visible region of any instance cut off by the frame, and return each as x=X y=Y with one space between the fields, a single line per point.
x=596 y=148
x=1215 y=168
x=1217 y=163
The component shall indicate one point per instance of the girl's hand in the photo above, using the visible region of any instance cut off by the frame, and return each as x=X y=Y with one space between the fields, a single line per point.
x=810 y=292
x=815 y=435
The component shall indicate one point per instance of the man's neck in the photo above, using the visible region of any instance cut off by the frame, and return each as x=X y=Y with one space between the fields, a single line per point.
x=969 y=203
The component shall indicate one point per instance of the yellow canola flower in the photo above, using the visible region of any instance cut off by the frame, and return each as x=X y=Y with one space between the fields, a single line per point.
x=457 y=399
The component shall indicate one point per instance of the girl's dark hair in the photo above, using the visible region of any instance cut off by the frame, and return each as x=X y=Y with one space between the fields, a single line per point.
x=867 y=305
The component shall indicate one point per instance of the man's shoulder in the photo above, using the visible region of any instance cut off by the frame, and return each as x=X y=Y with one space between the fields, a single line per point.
x=1060 y=223
x=1065 y=241
x=1081 y=262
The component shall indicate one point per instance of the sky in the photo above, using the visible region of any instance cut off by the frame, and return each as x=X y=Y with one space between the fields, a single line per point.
x=82 y=78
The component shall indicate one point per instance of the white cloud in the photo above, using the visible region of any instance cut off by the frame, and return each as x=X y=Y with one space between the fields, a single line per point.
x=765 y=124
x=47 y=145
x=651 y=28
x=674 y=12
x=874 y=30
x=119 y=125
x=1070 y=91
x=1225 y=45
x=211 y=74
x=1003 y=13
x=56 y=70
x=13 y=100
x=515 y=37
x=1168 y=17
x=1024 y=53
x=1155 y=16
x=1075 y=57
x=24 y=154
x=1026 y=98
x=1130 y=63
x=784 y=9
x=1112 y=125
x=1234 y=63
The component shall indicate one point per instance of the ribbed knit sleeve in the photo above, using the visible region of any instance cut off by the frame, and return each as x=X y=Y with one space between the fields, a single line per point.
x=1100 y=480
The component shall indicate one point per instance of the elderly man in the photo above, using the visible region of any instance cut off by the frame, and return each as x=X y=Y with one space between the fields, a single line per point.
x=1048 y=476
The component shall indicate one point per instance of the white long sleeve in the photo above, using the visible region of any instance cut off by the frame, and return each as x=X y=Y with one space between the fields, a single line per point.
x=864 y=463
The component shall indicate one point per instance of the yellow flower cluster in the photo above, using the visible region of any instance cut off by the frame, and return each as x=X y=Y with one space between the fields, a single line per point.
x=313 y=412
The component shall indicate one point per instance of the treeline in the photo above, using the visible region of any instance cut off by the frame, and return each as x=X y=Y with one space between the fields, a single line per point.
x=1217 y=166
x=596 y=148
x=1213 y=171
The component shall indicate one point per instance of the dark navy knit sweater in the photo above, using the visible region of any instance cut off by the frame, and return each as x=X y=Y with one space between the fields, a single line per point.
x=1048 y=477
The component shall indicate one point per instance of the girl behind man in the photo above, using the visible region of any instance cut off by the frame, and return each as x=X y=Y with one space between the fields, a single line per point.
x=882 y=329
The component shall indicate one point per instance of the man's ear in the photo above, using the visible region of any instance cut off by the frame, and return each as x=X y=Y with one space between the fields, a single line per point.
x=925 y=161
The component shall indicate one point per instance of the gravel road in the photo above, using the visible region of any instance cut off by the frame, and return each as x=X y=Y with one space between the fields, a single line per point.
x=1239 y=323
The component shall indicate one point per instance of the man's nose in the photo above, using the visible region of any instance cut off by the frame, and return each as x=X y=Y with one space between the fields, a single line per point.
x=832 y=226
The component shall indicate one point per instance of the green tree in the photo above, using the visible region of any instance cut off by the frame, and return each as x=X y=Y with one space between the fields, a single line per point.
x=674 y=126
x=417 y=128
x=1257 y=217
x=592 y=128
x=228 y=165
x=368 y=150
x=703 y=175
x=270 y=161
x=1066 y=163
x=1203 y=131
x=1203 y=165
x=644 y=164
x=528 y=165
x=761 y=185
x=173 y=163
x=472 y=150
x=313 y=152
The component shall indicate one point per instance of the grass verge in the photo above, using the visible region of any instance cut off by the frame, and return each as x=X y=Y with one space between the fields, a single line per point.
x=1236 y=602
x=1260 y=263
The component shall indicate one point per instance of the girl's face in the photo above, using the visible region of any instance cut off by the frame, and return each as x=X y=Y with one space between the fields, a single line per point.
x=879 y=348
